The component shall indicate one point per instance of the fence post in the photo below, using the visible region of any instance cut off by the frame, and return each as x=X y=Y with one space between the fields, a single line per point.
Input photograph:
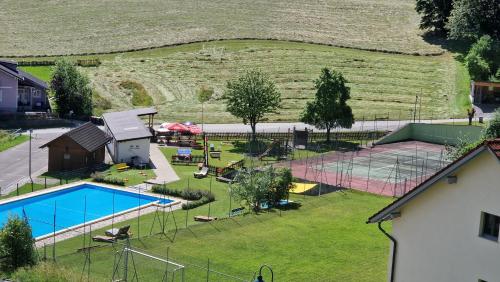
x=208 y=270
x=45 y=180
x=32 y=185
x=17 y=189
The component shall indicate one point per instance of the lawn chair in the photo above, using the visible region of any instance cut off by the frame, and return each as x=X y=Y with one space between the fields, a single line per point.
x=113 y=234
x=202 y=173
x=119 y=233
x=122 y=167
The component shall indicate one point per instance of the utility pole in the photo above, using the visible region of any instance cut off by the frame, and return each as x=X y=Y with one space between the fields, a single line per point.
x=30 y=131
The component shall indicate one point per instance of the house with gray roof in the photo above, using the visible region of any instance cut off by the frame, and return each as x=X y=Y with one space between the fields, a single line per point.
x=130 y=136
x=20 y=91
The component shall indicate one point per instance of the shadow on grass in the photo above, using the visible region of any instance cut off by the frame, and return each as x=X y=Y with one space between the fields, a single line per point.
x=459 y=47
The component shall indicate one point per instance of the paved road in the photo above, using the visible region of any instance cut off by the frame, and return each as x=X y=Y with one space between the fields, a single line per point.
x=283 y=127
x=14 y=163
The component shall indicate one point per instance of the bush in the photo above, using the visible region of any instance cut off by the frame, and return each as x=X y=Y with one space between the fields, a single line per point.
x=196 y=196
x=483 y=60
x=101 y=178
x=140 y=96
x=45 y=271
x=16 y=245
x=493 y=129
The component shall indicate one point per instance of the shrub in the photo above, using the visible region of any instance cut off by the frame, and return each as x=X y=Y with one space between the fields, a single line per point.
x=140 y=96
x=493 y=129
x=16 y=245
x=45 y=271
x=196 y=196
x=101 y=178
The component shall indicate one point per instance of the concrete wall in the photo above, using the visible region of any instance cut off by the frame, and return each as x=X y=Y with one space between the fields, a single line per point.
x=8 y=88
x=445 y=134
x=124 y=151
x=438 y=231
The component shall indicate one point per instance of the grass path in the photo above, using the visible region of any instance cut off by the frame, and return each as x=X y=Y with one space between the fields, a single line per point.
x=91 y=26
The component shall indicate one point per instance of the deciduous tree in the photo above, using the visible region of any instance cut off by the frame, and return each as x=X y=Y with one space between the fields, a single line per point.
x=72 y=91
x=329 y=108
x=252 y=96
x=434 y=13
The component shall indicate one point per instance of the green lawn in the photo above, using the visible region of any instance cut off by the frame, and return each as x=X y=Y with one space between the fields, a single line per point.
x=8 y=141
x=24 y=189
x=42 y=72
x=89 y=27
x=325 y=238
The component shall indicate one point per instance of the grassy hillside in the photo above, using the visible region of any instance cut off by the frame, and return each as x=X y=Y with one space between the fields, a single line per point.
x=78 y=27
x=381 y=83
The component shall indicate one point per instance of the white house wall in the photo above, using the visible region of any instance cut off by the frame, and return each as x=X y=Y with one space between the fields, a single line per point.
x=126 y=150
x=438 y=231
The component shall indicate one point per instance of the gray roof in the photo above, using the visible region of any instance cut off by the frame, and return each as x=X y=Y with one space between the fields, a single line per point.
x=126 y=125
x=89 y=136
x=11 y=68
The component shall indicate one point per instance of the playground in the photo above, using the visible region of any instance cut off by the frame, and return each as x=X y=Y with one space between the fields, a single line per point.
x=389 y=169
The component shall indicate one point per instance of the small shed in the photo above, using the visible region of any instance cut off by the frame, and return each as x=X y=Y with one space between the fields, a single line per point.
x=484 y=92
x=78 y=148
x=130 y=136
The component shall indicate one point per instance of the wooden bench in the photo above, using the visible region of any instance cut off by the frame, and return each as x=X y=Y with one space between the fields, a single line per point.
x=204 y=218
x=122 y=166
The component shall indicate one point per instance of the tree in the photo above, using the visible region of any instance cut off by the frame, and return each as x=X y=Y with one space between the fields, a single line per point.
x=470 y=19
x=256 y=186
x=16 y=244
x=434 y=13
x=493 y=129
x=483 y=59
x=329 y=108
x=252 y=96
x=204 y=95
x=252 y=187
x=72 y=91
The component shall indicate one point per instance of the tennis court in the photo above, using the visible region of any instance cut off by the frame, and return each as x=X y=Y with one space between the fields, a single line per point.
x=390 y=169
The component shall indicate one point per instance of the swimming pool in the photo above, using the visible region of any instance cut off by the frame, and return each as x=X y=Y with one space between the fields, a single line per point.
x=69 y=206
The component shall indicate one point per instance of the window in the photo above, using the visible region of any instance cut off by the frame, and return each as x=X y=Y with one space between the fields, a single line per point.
x=490 y=224
x=36 y=93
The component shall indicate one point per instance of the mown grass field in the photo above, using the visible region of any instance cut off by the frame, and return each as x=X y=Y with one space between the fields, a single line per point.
x=91 y=26
x=381 y=83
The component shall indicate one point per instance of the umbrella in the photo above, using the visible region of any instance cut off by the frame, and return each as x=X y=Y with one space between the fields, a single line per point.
x=177 y=127
x=162 y=130
x=194 y=129
x=164 y=125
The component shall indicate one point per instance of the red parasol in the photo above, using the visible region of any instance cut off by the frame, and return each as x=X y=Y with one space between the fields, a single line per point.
x=179 y=127
x=194 y=129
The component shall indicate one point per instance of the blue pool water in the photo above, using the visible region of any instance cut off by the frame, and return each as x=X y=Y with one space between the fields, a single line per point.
x=68 y=205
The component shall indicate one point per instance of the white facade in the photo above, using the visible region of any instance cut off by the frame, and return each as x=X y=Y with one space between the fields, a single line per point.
x=438 y=232
x=124 y=151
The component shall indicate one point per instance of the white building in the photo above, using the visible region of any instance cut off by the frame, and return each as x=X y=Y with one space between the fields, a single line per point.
x=131 y=137
x=447 y=229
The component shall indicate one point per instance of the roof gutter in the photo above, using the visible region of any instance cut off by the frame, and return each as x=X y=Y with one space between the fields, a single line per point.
x=394 y=249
